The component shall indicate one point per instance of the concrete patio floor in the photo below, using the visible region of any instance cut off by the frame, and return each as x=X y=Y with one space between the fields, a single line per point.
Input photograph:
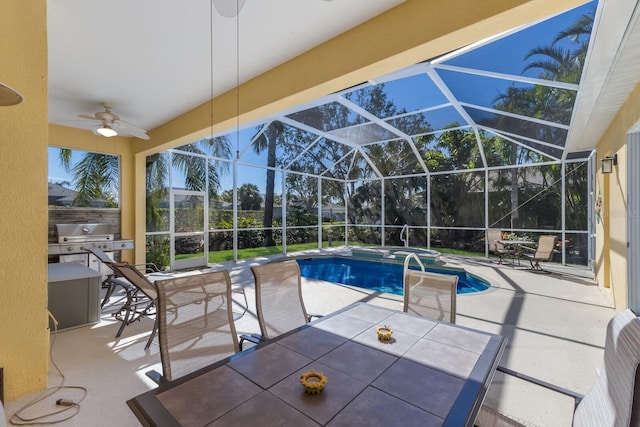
x=555 y=324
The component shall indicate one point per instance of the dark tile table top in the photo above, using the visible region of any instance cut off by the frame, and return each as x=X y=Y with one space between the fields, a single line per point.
x=428 y=374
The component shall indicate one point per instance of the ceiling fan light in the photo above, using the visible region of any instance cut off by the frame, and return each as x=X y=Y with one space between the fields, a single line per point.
x=106 y=131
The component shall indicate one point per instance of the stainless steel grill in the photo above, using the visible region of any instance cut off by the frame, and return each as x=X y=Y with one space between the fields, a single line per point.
x=74 y=238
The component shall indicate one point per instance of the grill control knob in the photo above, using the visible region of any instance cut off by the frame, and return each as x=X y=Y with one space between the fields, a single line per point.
x=70 y=249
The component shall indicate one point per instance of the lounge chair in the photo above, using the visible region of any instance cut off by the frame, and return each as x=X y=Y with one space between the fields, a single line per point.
x=141 y=302
x=493 y=236
x=112 y=281
x=195 y=323
x=543 y=252
x=613 y=400
x=279 y=304
x=140 y=294
x=430 y=295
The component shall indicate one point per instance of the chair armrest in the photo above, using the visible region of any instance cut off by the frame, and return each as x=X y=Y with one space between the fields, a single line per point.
x=576 y=396
x=312 y=315
x=149 y=267
x=254 y=338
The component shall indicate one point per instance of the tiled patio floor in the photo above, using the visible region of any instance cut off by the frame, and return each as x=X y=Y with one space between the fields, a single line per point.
x=555 y=324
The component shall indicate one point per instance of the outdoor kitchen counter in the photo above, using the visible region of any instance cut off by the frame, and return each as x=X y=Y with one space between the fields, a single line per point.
x=64 y=271
x=74 y=294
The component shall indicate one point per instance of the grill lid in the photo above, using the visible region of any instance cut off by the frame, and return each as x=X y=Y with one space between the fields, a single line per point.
x=83 y=232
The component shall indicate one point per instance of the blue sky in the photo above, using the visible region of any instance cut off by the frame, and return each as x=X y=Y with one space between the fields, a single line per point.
x=57 y=173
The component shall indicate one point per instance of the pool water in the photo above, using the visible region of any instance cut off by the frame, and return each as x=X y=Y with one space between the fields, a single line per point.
x=378 y=276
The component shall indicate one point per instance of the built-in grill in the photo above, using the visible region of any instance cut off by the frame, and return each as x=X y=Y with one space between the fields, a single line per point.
x=74 y=238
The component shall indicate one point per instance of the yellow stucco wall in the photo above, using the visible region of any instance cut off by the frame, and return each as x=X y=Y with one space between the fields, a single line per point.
x=611 y=232
x=24 y=334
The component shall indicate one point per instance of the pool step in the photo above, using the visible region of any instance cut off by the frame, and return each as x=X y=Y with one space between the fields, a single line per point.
x=395 y=255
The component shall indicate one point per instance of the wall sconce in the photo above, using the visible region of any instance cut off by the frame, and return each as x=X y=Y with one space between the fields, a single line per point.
x=608 y=163
x=9 y=96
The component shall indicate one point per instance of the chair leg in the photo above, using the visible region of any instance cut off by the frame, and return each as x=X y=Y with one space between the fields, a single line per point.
x=106 y=283
x=129 y=310
x=536 y=267
x=153 y=334
x=125 y=320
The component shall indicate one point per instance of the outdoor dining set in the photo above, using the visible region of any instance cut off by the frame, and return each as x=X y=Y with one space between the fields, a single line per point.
x=361 y=365
x=516 y=249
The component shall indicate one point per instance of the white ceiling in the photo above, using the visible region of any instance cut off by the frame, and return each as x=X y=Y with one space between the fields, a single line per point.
x=151 y=58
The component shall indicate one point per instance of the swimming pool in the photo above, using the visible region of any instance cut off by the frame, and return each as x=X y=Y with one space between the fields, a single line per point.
x=378 y=276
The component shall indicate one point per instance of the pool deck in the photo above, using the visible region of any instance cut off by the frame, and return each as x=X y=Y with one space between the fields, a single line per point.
x=555 y=324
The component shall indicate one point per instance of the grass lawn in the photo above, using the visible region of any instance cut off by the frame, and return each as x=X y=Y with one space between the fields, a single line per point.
x=223 y=256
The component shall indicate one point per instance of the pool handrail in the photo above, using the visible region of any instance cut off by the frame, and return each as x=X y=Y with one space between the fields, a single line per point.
x=405 y=232
x=408 y=259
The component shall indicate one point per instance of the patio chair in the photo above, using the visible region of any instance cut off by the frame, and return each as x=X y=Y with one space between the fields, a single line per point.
x=543 y=252
x=141 y=301
x=430 y=295
x=195 y=323
x=493 y=236
x=613 y=400
x=279 y=304
x=112 y=281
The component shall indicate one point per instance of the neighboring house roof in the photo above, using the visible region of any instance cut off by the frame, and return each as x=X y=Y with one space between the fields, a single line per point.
x=60 y=195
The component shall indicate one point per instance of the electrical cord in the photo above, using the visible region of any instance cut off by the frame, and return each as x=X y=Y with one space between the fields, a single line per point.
x=66 y=405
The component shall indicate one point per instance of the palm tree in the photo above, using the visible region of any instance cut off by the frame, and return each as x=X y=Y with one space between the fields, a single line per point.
x=249 y=198
x=96 y=175
x=553 y=104
x=95 y=178
x=268 y=140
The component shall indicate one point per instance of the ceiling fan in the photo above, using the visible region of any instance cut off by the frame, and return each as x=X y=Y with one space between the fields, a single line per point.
x=111 y=124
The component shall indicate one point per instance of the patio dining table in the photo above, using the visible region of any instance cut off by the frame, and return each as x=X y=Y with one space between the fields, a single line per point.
x=429 y=373
x=518 y=247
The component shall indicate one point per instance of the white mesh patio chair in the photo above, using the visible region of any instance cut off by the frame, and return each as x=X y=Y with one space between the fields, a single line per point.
x=279 y=304
x=613 y=400
x=195 y=323
x=430 y=295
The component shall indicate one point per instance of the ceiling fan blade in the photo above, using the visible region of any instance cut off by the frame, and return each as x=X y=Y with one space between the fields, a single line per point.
x=84 y=116
x=127 y=128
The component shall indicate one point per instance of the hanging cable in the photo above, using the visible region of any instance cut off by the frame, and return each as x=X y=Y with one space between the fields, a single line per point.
x=211 y=69
x=238 y=82
x=71 y=407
